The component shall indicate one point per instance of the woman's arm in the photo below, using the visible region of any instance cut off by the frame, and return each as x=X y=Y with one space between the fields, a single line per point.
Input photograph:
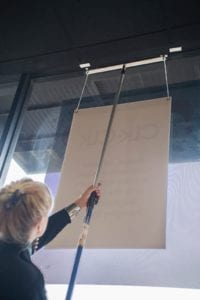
x=63 y=217
x=56 y=223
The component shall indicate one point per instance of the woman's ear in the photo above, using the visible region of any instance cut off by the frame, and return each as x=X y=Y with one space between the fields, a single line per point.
x=41 y=226
x=38 y=229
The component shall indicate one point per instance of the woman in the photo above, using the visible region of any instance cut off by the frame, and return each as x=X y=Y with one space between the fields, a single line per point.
x=25 y=228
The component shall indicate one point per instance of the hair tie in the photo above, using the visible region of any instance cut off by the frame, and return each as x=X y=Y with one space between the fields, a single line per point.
x=14 y=200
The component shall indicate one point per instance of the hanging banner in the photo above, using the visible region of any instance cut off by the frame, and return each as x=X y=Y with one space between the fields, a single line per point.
x=132 y=210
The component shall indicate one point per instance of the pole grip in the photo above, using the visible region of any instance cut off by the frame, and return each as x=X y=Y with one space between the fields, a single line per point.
x=92 y=201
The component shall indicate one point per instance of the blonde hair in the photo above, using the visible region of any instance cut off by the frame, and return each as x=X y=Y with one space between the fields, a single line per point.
x=23 y=203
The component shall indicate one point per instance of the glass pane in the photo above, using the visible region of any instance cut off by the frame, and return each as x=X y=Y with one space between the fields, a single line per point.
x=41 y=147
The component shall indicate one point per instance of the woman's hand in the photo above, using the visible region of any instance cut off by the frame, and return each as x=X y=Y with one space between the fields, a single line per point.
x=83 y=199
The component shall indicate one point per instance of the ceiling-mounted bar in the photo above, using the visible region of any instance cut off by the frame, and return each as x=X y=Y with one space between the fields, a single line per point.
x=145 y=62
x=128 y=65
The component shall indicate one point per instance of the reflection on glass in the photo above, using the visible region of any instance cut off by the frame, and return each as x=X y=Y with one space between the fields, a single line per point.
x=16 y=172
x=42 y=141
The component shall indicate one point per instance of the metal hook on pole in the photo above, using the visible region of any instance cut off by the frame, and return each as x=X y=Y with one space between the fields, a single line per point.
x=93 y=198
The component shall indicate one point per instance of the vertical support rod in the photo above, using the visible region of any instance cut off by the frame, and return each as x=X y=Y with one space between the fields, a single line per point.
x=93 y=199
x=166 y=75
x=13 y=125
x=83 y=90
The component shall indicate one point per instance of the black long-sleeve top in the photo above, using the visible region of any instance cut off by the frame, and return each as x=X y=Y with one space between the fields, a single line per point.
x=19 y=277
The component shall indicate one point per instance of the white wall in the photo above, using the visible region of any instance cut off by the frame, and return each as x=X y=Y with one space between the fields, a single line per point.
x=176 y=266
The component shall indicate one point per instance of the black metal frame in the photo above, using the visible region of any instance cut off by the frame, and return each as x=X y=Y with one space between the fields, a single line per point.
x=13 y=124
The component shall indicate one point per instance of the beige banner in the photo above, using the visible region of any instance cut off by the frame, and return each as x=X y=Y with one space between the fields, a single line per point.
x=132 y=210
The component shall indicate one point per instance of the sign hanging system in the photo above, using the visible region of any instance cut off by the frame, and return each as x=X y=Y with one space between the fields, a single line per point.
x=93 y=200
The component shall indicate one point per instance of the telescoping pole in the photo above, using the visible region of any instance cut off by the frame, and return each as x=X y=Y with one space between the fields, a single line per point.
x=93 y=198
